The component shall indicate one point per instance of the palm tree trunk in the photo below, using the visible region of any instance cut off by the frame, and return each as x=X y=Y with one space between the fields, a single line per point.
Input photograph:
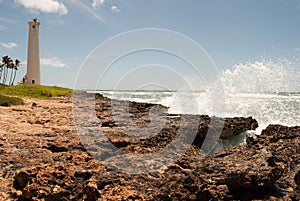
x=1 y=74
x=14 y=77
x=4 y=76
x=11 y=76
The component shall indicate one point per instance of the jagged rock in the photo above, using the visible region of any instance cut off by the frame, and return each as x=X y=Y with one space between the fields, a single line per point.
x=259 y=170
x=49 y=162
x=156 y=128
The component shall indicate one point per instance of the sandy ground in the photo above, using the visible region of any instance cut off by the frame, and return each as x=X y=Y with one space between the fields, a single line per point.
x=25 y=125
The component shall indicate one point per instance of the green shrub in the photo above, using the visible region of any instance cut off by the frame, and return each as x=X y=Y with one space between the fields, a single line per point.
x=9 y=101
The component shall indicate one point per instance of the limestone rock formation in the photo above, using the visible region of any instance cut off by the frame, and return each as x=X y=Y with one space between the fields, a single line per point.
x=43 y=156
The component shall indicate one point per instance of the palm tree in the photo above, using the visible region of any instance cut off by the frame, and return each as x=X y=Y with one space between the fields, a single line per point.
x=11 y=67
x=6 y=60
x=8 y=64
x=1 y=69
x=16 y=65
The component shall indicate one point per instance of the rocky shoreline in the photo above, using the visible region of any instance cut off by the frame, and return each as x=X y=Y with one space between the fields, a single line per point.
x=44 y=158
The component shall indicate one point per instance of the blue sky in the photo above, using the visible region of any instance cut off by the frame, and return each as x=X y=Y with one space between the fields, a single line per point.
x=231 y=31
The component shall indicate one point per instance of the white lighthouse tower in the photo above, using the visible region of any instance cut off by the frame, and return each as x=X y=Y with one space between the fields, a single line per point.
x=33 y=75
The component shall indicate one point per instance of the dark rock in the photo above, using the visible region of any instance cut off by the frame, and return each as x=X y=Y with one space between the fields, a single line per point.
x=56 y=148
x=257 y=173
x=237 y=125
x=33 y=105
x=20 y=180
x=92 y=193
x=297 y=179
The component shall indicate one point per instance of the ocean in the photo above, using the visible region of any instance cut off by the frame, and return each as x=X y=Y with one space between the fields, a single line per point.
x=266 y=90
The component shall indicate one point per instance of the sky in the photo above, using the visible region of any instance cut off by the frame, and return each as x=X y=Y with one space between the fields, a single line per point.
x=72 y=31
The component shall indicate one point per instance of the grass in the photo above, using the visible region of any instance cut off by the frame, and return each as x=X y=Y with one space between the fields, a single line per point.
x=35 y=91
x=9 y=101
x=11 y=95
x=2 y=86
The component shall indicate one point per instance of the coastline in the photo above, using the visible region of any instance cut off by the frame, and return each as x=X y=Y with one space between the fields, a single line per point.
x=42 y=157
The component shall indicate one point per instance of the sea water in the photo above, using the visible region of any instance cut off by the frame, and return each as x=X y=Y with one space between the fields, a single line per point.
x=266 y=90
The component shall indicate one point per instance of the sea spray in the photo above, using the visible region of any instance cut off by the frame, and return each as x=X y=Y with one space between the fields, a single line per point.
x=265 y=76
x=268 y=90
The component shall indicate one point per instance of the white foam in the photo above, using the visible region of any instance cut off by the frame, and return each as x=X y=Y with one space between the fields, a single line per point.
x=252 y=89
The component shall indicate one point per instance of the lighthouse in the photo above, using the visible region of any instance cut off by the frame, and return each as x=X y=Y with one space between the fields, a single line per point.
x=33 y=75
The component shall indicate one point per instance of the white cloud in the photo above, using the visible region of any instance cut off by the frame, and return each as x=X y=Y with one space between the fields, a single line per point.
x=9 y=45
x=114 y=9
x=53 y=61
x=7 y=20
x=88 y=8
x=4 y=22
x=56 y=22
x=47 y=6
x=98 y=3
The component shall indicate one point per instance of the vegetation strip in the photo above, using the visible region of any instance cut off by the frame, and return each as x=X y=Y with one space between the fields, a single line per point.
x=11 y=95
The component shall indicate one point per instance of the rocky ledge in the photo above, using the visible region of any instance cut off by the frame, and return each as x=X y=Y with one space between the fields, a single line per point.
x=43 y=157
